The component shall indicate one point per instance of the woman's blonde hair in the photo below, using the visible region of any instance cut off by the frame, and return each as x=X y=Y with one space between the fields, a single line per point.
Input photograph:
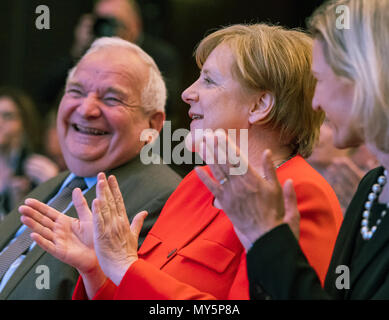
x=359 y=52
x=276 y=60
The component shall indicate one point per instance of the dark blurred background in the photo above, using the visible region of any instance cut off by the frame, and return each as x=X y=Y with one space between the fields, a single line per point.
x=27 y=53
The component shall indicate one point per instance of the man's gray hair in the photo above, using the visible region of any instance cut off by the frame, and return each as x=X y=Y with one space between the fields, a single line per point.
x=154 y=94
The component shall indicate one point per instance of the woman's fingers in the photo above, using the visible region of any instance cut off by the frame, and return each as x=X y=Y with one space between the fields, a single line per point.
x=117 y=196
x=98 y=220
x=103 y=208
x=209 y=182
x=109 y=198
x=110 y=204
x=268 y=167
x=81 y=205
x=137 y=223
x=226 y=161
x=216 y=157
x=290 y=198
x=108 y=207
x=292 y=215
x=253 y=203
x=115 y=239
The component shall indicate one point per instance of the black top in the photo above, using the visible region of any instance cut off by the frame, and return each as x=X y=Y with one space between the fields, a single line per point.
x=278 y=269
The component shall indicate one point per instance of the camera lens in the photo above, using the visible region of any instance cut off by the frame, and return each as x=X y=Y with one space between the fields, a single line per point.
x=105 y=27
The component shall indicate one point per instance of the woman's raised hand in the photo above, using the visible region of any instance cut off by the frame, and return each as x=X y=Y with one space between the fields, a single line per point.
x=115 y=239
x=255 y=203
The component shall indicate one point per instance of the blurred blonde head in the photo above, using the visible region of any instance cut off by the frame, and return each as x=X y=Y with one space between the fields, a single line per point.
x=360 y=54
x=278 y=61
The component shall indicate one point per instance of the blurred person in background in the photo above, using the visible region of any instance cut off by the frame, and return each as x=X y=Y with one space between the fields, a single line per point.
x=21 y=168
x=123 y=19
x=342 y=168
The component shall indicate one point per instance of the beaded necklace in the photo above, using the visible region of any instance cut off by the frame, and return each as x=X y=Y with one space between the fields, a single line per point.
x=367 y=233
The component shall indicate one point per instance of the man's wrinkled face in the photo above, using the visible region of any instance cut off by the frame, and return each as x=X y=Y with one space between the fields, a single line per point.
x=100 y=117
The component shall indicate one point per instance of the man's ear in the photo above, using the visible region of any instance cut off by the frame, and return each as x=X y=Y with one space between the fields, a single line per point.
x=156 y=120
x=261 y=108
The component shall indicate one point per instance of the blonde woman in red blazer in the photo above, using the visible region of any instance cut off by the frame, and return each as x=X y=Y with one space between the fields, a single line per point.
x=253 y=77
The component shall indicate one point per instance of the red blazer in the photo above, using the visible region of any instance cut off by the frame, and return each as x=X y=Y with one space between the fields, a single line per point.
x=192 y=251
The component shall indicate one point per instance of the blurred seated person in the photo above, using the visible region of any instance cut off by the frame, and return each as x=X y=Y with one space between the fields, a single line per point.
x=120 y=18
x=21 y=168
x=342 y=168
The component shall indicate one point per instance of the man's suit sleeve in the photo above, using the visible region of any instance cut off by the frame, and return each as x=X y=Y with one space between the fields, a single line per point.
x=278 y=269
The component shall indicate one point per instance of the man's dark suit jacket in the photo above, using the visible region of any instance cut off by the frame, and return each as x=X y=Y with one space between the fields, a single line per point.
x=277 y=268
x=144 y=187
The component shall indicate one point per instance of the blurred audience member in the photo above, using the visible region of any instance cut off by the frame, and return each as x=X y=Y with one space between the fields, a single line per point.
x=342 y=168
x=120 y=18
x=20 y=167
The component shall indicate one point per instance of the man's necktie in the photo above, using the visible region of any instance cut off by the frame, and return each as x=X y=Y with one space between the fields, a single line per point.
x=23 y=242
